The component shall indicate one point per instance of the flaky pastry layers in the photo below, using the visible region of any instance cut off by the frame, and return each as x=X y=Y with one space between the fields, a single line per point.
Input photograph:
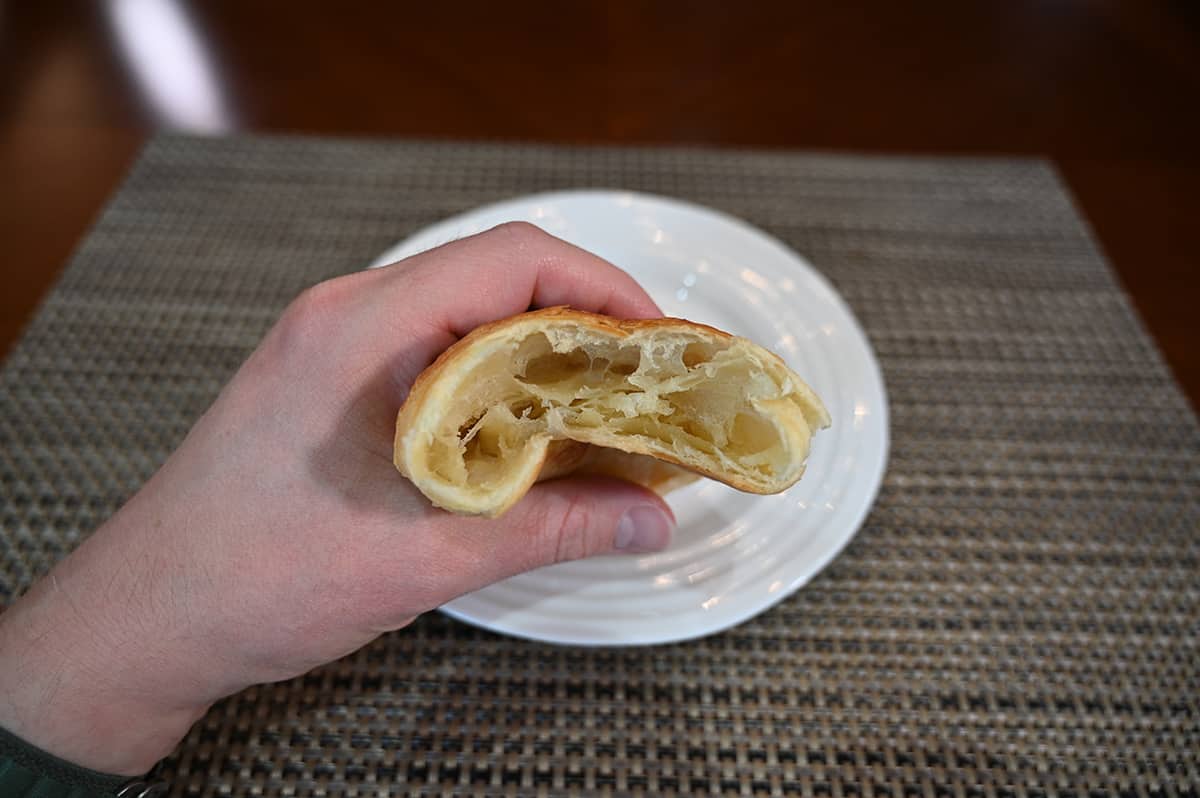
x=533 y=396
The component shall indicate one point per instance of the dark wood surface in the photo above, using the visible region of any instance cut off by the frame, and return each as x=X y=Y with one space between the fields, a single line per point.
x=1109 y=90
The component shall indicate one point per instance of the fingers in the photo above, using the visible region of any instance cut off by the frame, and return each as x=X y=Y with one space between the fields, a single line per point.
x=569 y=519
x=505 y=271
x=561 y=520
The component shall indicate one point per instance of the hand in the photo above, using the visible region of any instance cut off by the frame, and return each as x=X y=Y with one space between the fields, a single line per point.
x=279 y=536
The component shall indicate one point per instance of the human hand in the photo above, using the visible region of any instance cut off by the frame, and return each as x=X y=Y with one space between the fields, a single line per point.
x=279 y=536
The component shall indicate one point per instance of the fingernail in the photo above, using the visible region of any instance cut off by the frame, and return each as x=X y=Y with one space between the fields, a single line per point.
x=643 y=528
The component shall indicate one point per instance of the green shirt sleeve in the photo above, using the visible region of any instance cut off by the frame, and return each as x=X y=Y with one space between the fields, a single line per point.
x=29 y=772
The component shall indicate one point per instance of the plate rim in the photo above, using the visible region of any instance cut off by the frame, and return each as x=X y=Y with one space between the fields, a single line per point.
x=876 y=476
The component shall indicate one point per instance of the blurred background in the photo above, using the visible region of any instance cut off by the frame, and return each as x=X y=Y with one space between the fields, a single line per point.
x=1109 y=90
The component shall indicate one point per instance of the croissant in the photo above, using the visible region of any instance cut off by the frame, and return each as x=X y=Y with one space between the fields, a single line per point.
x=556 y=391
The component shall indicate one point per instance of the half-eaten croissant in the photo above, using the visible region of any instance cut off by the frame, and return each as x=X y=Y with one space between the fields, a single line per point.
x=531 y=396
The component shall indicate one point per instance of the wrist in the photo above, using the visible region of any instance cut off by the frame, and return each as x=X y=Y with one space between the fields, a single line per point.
x=83 y=688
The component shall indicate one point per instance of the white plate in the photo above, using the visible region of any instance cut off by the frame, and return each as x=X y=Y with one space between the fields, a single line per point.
x=734 y=554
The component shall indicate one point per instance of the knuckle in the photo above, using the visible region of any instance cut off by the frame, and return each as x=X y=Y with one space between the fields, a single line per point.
x=521 y=233
x=316 y=302
x=569 y=522
x=311 y=313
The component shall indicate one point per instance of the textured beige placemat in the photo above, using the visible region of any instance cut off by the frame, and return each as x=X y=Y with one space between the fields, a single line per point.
x=1019 y=616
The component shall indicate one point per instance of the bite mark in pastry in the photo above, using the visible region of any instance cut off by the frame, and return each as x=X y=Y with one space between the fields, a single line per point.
x=532 y=396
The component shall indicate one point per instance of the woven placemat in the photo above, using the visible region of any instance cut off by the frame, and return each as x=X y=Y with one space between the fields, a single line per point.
x=1018 y=617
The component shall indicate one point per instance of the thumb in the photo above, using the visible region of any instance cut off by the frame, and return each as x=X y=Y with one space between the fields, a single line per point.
x=577 y=517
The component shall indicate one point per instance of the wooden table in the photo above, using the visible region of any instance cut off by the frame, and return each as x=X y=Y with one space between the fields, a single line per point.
x=1109 y=90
